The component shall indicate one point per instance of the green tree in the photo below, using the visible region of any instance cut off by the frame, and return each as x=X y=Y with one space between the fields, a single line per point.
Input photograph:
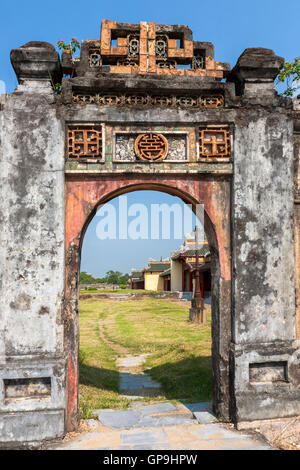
x=290 y=76
x=86 y=278
x=116 y=277
x=111 y=277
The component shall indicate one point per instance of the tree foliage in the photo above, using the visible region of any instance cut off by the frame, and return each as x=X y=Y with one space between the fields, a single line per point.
x=290 y=76
x=111 y=277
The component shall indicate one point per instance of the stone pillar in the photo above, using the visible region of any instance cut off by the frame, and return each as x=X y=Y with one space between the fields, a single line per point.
x=32 y=360
x=296 y=103
x=37 y=67
x=264 y=356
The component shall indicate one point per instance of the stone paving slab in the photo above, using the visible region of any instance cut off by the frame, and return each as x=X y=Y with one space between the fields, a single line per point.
x=172 y=420
x=130 y=381
x=131 y=361
x=188 y=437
x=163 y=426
x=158 y=421
x=150 y=436
x=196 y=407
x=145 y=416
x=156 y=408
x=119 y=419
x=147 y=422
x=204 y=417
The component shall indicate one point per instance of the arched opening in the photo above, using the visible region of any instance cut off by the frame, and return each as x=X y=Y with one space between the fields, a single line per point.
x=85 y=205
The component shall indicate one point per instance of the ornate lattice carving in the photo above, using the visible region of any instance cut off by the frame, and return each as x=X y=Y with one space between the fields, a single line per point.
x=110 y=100
x=135 y=100
x=128 y=61
x=187 y=101
x=161 y=46
x=151 y=146
x=133 y=46
x=167 y=64
x=212 y=101
x=150 y=45
x=160 y=100
x=170 y=101
x=85 y=142
x=198 y=62
x=214 y=142
x=94 y=58
x=124 y=147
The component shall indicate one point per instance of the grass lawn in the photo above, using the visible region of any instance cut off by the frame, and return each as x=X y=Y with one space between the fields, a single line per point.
x=179 y=351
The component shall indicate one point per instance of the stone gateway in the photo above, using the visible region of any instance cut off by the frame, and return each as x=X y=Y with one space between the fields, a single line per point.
x=147 y=107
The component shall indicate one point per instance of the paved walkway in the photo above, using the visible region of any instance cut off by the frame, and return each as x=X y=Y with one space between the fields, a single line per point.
x=161 y=426
x=135 y=385
x=158 y=426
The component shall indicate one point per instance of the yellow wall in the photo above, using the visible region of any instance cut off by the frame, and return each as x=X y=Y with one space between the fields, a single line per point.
x=154 y=282
x=176 y=276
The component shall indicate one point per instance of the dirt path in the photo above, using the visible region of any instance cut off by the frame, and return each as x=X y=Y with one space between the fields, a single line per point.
x=114 y=346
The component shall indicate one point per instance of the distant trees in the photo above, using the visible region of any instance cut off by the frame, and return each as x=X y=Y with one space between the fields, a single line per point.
x=86 y=278
x=111 y=277
x=115 y=277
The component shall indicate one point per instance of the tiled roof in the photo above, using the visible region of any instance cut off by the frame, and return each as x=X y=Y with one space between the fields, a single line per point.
x=203 y=251
x=157 y=267
x=167 y=272
x=137 y=274
x=202 y=266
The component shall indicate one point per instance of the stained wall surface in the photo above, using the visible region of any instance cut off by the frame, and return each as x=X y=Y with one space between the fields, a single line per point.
x=32 y=267
x=228 y=145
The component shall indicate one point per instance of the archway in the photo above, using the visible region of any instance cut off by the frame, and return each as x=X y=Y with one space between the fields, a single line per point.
x=83 y=196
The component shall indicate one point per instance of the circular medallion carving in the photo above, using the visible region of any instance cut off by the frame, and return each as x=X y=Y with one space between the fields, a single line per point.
x=151 y=146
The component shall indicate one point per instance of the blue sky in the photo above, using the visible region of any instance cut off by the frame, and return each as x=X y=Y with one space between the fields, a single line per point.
x=98 y=256
x=232 y=25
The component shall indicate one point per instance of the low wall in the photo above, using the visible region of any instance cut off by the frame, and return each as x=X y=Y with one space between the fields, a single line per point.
x=99 y=286
x=133 y=295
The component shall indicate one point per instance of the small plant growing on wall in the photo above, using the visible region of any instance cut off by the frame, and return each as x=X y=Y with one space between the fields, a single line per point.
x=290 y=76
x=57 y=88
x=73 y=46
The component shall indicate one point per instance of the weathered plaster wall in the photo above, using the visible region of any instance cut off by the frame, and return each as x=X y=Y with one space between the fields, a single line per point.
x=263 y=220
x=263 y=264
x=32 y=263
x=297 y=267
x=297 y=212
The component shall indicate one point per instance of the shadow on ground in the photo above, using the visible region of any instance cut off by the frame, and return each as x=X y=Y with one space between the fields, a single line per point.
x=105 y=379
x=186 y=379
x=189 y=379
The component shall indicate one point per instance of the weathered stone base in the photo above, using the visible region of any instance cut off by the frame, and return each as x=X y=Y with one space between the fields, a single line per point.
x=265 y=381
x=197 y=315
x=197 y=312
x=31 y=427
x=268 y=404
x=32 y=401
